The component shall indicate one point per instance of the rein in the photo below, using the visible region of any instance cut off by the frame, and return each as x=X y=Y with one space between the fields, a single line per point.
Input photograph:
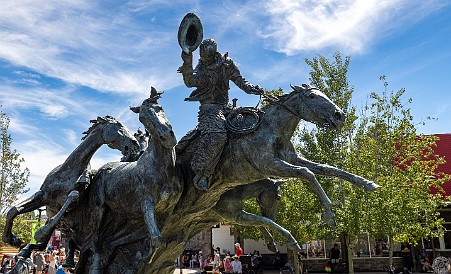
x=276 y=101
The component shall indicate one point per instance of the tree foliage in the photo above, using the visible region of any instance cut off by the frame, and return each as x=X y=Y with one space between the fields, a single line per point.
x=388 y=150
x=14 y=177
x=13 y=180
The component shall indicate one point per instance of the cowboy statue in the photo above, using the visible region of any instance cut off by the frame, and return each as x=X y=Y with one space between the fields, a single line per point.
x=211 y=78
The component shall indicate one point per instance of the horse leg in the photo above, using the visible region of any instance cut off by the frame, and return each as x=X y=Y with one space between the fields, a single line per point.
x=70 y=258
x=283 y=169
x=44 y=233
x=327 y=170
x=269 y=239
x=268 y=200
x=32 y=203
x=96 y=261
x=249 y=219
x=148 y=209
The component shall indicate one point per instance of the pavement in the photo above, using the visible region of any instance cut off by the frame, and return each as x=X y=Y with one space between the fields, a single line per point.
x=196 y=271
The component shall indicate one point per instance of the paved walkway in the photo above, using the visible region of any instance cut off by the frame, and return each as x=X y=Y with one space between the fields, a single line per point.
x=196 y=271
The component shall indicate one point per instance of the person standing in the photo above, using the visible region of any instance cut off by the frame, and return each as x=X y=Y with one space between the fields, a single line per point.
x=406 y=257
x=236 y=265
x=216 y=259
x=201 y=260
x=40 y=262
x=53 y=263
x=334 y=256
x=238 y=250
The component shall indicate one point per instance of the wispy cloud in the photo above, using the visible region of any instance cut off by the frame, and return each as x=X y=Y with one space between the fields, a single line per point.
x=348 y=25
x=77 y=42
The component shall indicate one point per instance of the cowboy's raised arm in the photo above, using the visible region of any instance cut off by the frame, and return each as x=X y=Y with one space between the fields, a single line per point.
x=187 y=70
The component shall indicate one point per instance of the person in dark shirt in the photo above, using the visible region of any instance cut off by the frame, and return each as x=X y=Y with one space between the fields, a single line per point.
x=334 y=256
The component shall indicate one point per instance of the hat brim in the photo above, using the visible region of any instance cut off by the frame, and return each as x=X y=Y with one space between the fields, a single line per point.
x=190 y=33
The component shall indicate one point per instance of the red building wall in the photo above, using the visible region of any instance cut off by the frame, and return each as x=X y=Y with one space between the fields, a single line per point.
x=444 y=149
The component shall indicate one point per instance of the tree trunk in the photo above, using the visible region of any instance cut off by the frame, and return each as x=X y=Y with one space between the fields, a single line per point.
x=390 y=251
x=296 y=262
x=350 y=247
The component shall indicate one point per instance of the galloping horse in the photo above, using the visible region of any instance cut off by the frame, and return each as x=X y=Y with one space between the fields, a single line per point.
x=266 y=152
x=230 y=205
x=62 y=179
x=150 y=183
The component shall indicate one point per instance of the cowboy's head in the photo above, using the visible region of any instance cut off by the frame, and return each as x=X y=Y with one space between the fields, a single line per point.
x=208 y=49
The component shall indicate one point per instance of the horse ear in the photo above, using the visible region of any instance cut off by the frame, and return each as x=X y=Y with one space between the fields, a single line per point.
x=134 y=109
x=153 y=92
x=101 y=119
x=294 y=87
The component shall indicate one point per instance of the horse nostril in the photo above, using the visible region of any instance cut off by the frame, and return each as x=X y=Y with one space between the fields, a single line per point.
x=338 y=115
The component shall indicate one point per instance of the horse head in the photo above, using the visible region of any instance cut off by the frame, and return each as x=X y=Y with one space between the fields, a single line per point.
x=310 y=104
x=114 y=134
x=152 y=116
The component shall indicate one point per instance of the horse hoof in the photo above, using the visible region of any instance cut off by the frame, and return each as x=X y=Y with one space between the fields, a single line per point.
x=272 y=247
x=328 y=218
x=370 y=186
x=14 y=241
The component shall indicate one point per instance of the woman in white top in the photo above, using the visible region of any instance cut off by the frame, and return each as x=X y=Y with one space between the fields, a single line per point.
x=216 y=259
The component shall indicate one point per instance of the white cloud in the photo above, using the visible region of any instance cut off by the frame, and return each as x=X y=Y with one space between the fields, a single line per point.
x=72 y=137
x=347 y=25
x=77 y=42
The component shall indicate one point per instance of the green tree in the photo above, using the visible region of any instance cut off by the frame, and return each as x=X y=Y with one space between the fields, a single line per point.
x=388 y=150
x=13 y=179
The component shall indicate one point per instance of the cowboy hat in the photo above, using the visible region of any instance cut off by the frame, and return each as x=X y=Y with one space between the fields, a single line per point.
x=190 y=33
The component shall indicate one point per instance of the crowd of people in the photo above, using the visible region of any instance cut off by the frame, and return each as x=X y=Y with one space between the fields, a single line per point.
x=50 y=261
x=222 y=263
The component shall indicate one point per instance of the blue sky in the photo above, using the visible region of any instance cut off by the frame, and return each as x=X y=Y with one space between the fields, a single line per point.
x=65 y=62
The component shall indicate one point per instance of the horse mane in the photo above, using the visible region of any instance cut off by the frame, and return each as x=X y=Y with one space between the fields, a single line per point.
x=98 y=121
x=282 y=98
